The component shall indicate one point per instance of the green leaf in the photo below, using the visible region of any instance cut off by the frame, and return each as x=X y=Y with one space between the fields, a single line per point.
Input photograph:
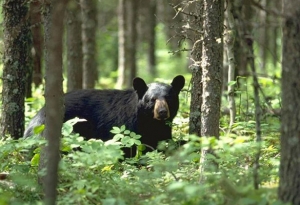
x=115 y=130
x=132 y=134
x=231 y=83
x=123 y=128
x=118 y=136
x=35 y=160
x=38 y=129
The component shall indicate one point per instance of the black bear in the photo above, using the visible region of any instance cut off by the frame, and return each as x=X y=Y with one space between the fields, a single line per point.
x=145 y=110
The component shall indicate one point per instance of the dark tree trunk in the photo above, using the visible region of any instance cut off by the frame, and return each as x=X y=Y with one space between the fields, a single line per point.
x=132 y=40
x=37 y=51
x=89 y=28
x=74 y=47
x=289 y=184
x=54 y=107
x=16 y=66
x=146 y=32
x=152 y=39
x=196 y=82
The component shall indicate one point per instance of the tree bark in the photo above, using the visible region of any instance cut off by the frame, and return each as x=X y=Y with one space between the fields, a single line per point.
x=132 y=40
x=289 y=184
x=151 y=38
x=74 y=47
x=16 y=66
x=229 y=42
x=122 y=44
x=89 y=28
x=54 y=106
x=37 y=51
x=196 y=82
x=212 y=67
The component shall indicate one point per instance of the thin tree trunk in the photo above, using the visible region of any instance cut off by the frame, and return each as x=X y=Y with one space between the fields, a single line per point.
x=230 y=41
x=263 y=36
x=247 y=42
x=196 y=82
x=89 y=28
x=37 y=51
x=54 y=107
x=74 y=47
x=289 y=183
x=16 y=67
x=122 y=44
x=132 y=40
x=151 y=38
x=257 y=111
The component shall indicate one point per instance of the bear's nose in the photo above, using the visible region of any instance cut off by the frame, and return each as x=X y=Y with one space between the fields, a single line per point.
x=163 y=114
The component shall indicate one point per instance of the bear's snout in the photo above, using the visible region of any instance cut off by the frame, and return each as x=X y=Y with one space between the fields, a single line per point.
x=161 y=110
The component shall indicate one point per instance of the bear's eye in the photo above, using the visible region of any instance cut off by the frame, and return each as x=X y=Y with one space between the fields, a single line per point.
x=152 y=100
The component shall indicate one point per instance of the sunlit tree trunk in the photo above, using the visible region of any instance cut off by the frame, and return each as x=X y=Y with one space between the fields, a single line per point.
x=89 y=28
x=122 y=44
x=229 y=42
x=15 y=67
x=289 y=184
x=74 y=47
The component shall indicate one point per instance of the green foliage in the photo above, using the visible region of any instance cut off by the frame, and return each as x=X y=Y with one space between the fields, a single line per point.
x=91 y=171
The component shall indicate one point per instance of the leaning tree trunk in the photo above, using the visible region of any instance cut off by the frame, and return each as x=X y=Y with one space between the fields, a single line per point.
x=15 y=70
x=289 y=184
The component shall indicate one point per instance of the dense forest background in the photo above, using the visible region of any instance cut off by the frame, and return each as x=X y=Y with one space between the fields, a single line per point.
x=238 y=111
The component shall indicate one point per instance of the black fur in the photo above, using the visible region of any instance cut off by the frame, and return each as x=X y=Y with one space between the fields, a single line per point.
x=134 y=108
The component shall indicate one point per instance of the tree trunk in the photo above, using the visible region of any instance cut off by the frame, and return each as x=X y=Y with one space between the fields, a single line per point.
x=196 y=82
x=89 y=28
x=122 y=44
x=132 y=40
x=289 y=184
x=74 y=47
x=37 y=51
x=54 y=107
x=16 y=56
x=151 y=36
x=229 y=42
x=212 y=67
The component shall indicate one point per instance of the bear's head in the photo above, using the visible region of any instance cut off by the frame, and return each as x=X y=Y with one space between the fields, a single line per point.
x=159 y=100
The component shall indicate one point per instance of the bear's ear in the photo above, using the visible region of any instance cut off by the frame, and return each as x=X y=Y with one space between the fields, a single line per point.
x=140 y=86
x=178 y=83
